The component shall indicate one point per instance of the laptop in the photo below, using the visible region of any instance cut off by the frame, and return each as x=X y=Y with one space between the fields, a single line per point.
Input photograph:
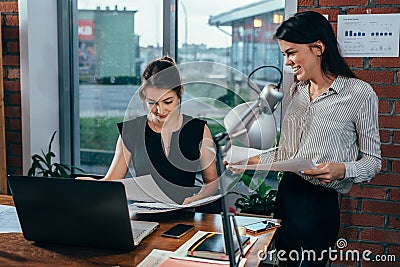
x=76 y=212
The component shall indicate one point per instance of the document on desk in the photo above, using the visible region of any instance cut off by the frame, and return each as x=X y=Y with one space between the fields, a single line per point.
x=156 y=207
x=144 y=188
x=9 y=222
x=291 y=165
x=164 y=258
x=238 y=154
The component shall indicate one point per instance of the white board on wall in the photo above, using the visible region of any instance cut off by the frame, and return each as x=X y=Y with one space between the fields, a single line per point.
x=369 y=35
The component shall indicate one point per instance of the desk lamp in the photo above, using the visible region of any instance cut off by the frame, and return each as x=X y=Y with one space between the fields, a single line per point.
x=254 y=125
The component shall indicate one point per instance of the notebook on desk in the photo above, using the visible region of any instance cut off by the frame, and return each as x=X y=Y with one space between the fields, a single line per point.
x=76 y=212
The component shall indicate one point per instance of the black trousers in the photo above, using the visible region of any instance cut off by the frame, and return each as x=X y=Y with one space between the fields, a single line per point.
x=310 y=221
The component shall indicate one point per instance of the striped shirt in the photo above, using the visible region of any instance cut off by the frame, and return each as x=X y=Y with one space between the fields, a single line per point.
x=340 y=125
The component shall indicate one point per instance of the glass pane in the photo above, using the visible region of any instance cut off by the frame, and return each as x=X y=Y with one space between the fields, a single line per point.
x=235 y=33
x=231 y=38
x=116 y=41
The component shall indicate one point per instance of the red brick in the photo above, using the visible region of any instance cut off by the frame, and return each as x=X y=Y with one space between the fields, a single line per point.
x=394 y=222
x=387 y=121
x=12 y=112
x=395 y=194
x=398 y=75
x=349 y=204
x=14 y=161
x=396 y=136
x=9 y=6
x=12 y=20
x=373 y=10
x=391 y=151
x=396 y=166
x=385 y=62
x=387 y=91
x=14 y=124
x=343 y=3
x=366 y=191
x=381 y=207
x=12 y=86
x=11 y=60
x=396 y=108
x=343 y=263
x=13 y=73
x=15 y=149
x=380 y=235
x=354 y=62
x=384 y=136
x=394 y=250
x=374 y=263
x=305 y=3
x=13 y=99
x=384 y=106
x=331 y=12
x=375 y=76
x=13 y=47
x=386 y=2
x=363 y=246
x=13 y=137
x=357 y=219
x=384 y=166
x=386 y=179
x=348 y=233
x=10 y=33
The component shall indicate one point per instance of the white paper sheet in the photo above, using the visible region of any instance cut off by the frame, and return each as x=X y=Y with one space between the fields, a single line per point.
x=157 y=207
x=155 y=258
x=291 y=165
x=9 y=222
x=238 y=154
x=369 y=35
x=144 y=188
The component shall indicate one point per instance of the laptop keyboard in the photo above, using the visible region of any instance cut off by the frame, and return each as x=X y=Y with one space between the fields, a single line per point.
x=137 y=233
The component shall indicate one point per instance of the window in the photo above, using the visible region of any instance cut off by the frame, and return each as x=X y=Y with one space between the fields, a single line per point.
x=115 y=42
x=116 y=39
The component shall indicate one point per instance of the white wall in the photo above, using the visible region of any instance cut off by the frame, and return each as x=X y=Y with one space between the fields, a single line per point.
x=39 y=77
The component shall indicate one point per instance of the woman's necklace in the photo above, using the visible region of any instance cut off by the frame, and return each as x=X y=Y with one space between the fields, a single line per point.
x=166 y=133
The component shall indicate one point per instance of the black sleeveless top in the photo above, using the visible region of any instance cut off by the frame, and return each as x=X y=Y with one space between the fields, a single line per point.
x=147 y=151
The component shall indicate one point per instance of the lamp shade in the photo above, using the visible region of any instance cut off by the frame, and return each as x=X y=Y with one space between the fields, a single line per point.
x=258 y=130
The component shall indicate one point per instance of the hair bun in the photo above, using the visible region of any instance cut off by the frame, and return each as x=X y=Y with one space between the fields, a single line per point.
x=167 y=58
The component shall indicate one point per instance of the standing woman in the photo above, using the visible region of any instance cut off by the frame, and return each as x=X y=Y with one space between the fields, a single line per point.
x=332 y=119
x=165 y=143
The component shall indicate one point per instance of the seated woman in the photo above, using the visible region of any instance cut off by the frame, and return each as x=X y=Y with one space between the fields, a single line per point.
x=165 y=143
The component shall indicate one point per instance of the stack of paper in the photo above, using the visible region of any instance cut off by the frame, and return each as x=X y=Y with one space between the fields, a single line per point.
x=149 y=198
x=240 y=154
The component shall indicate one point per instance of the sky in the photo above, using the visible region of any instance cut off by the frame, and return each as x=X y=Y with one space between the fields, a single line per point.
x=148 y=19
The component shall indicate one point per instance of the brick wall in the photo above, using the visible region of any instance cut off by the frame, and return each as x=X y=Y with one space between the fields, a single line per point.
x=370 y=213
x=12 y=87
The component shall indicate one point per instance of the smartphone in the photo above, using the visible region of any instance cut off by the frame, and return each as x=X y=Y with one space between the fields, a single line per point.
x=261 y=226
x=178 y=230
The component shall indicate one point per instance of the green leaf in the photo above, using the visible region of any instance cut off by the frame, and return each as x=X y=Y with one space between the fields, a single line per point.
x=42 y=164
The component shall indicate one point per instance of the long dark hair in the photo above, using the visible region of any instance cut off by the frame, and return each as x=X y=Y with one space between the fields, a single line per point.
x=308 y=27
x=161 y=73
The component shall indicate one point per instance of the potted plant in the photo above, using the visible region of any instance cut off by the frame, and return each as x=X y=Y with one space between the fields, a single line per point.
x=42 y=165
x=261 y=201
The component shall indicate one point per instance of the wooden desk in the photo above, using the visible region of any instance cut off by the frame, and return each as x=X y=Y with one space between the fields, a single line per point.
x=16 y=251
